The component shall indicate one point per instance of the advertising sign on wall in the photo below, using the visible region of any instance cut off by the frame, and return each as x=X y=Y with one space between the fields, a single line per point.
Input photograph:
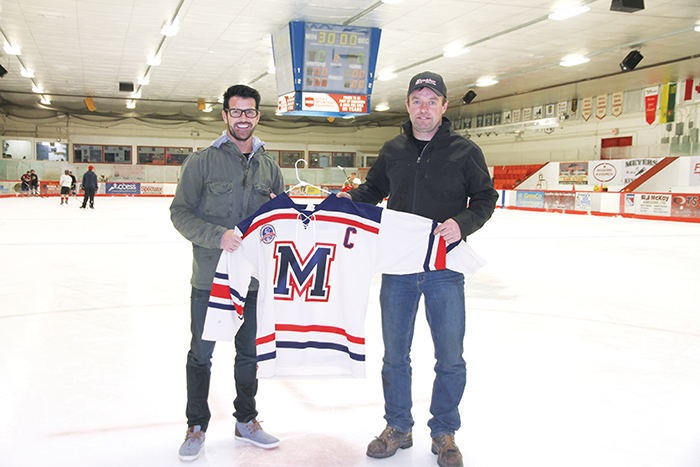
x=653 y=205
x=583 y=201
x=560 y=200
x=123 y=188
x=685 y=206
x=573 y=173
x=694 y=170
x=530 y=199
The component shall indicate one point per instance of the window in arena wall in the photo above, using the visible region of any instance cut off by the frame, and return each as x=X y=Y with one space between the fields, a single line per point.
x=320 y=159
x=87 y=153
x=117 y=154
x=162 y=155
x=16 y=149
x=344 y=159
x=288 y=158
x=48 y=151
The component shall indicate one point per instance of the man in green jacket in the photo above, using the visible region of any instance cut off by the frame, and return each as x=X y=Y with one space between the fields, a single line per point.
x=220 y=186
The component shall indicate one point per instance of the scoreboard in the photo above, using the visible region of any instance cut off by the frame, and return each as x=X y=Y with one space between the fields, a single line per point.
x=324 y=70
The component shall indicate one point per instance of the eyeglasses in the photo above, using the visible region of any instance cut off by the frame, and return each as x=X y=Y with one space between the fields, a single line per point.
x=250 y=113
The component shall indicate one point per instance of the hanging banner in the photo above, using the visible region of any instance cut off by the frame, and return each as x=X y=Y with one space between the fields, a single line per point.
x=527 y=114
x=549 y=110
x=616 y=104
x=651 y=98
x=688 y=89
x=587 y=108
x=516 y=116
x=696 y=90
x=663 y=104
x=561 y=108
x=507 y=117
x=574 y=106
x=601 y=106
x=671 y=110
x=537 y=112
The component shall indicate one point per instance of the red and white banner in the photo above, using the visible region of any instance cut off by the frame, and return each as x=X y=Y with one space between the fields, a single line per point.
x=333 y=102
x=586 y=108
x=616 y=104
x=562 y=107
x=601 y=106
x=651 y=100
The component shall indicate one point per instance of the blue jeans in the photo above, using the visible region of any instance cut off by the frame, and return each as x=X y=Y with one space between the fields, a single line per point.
x=199 y=363
x=444 y=308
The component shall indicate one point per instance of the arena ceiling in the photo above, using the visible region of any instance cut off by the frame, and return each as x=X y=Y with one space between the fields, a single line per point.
x=80 y=49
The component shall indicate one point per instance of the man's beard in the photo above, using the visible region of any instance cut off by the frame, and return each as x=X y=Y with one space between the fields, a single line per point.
x=241 y=135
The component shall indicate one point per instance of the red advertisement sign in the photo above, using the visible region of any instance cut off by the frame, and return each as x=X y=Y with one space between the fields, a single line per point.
x=685 y=206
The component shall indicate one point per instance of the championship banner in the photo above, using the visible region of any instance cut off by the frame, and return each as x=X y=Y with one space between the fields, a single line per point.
x=664 y=104
x=671 y=112
x=616 y=105
x=527 y=114
x=601 y=106
x=651 y=99
x=562 y=107
x=507 y=117
x=516 y=116
x=586 y=108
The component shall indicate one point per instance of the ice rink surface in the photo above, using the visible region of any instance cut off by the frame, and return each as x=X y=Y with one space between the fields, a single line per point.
x=582 y=349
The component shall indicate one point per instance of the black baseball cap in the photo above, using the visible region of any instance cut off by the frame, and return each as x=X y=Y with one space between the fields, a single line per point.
x=430 y=80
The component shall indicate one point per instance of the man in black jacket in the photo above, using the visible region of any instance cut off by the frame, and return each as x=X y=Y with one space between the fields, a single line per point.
x=89 y=187
x=431 y=171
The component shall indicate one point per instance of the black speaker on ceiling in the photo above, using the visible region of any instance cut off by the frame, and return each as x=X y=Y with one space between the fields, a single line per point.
x=126 y=87
x=627 y=6
x=631 y=60
x=3 y=71
x=468 y=97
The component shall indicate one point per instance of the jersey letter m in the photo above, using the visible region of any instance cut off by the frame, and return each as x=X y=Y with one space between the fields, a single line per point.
x=302 y=277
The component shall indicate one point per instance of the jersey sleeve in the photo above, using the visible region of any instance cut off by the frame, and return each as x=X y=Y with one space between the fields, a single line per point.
x=407 y=245
x=228 y=294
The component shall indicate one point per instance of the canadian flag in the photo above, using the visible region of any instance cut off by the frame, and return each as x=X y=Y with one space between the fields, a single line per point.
x=696 y=90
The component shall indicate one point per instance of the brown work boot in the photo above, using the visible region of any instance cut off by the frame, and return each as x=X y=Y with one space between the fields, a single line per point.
x=386 y=444
x=448 y=452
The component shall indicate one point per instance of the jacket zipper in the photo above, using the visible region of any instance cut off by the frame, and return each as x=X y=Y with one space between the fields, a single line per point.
x=415 y=182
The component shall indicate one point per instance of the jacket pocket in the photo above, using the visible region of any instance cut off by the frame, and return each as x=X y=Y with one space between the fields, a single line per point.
x=217 y=199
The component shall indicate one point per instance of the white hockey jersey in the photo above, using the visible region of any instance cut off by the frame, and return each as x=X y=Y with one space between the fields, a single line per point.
x=315 y=265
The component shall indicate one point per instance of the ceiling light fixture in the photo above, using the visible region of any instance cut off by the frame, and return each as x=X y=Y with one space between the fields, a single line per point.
x=12 y=49
x=382 y=107
x=697 y=28
x=574 y=60
x=37 y=89
x=386 y=76
x=145 y=81
x=568 y=12
x=391 y=2
x=482 y=83
x=153 y=61
x=272 y=70
x=136 y=95
x=131 y=104
x=45 y=100
x=455 y=51
x=26 y=73
x=169 y=29
x=207 y=108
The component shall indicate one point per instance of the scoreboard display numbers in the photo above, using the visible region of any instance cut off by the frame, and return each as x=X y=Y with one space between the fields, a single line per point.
x=336 y=61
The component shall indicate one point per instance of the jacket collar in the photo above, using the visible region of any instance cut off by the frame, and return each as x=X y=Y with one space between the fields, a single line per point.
x=443 y=130
x=257 y=142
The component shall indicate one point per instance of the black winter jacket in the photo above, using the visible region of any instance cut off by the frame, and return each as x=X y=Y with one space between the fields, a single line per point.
x=449 y=179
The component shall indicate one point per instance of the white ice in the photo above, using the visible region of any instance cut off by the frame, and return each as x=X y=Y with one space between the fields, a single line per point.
x=582 y=349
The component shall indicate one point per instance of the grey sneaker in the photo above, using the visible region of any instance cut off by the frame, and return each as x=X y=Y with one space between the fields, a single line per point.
x=194 y=442
x=386 y=444
x=253 y=433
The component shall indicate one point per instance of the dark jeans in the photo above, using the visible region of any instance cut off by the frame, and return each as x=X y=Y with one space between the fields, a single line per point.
x=89 y=194
x=443 y=293
x=199 y=363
